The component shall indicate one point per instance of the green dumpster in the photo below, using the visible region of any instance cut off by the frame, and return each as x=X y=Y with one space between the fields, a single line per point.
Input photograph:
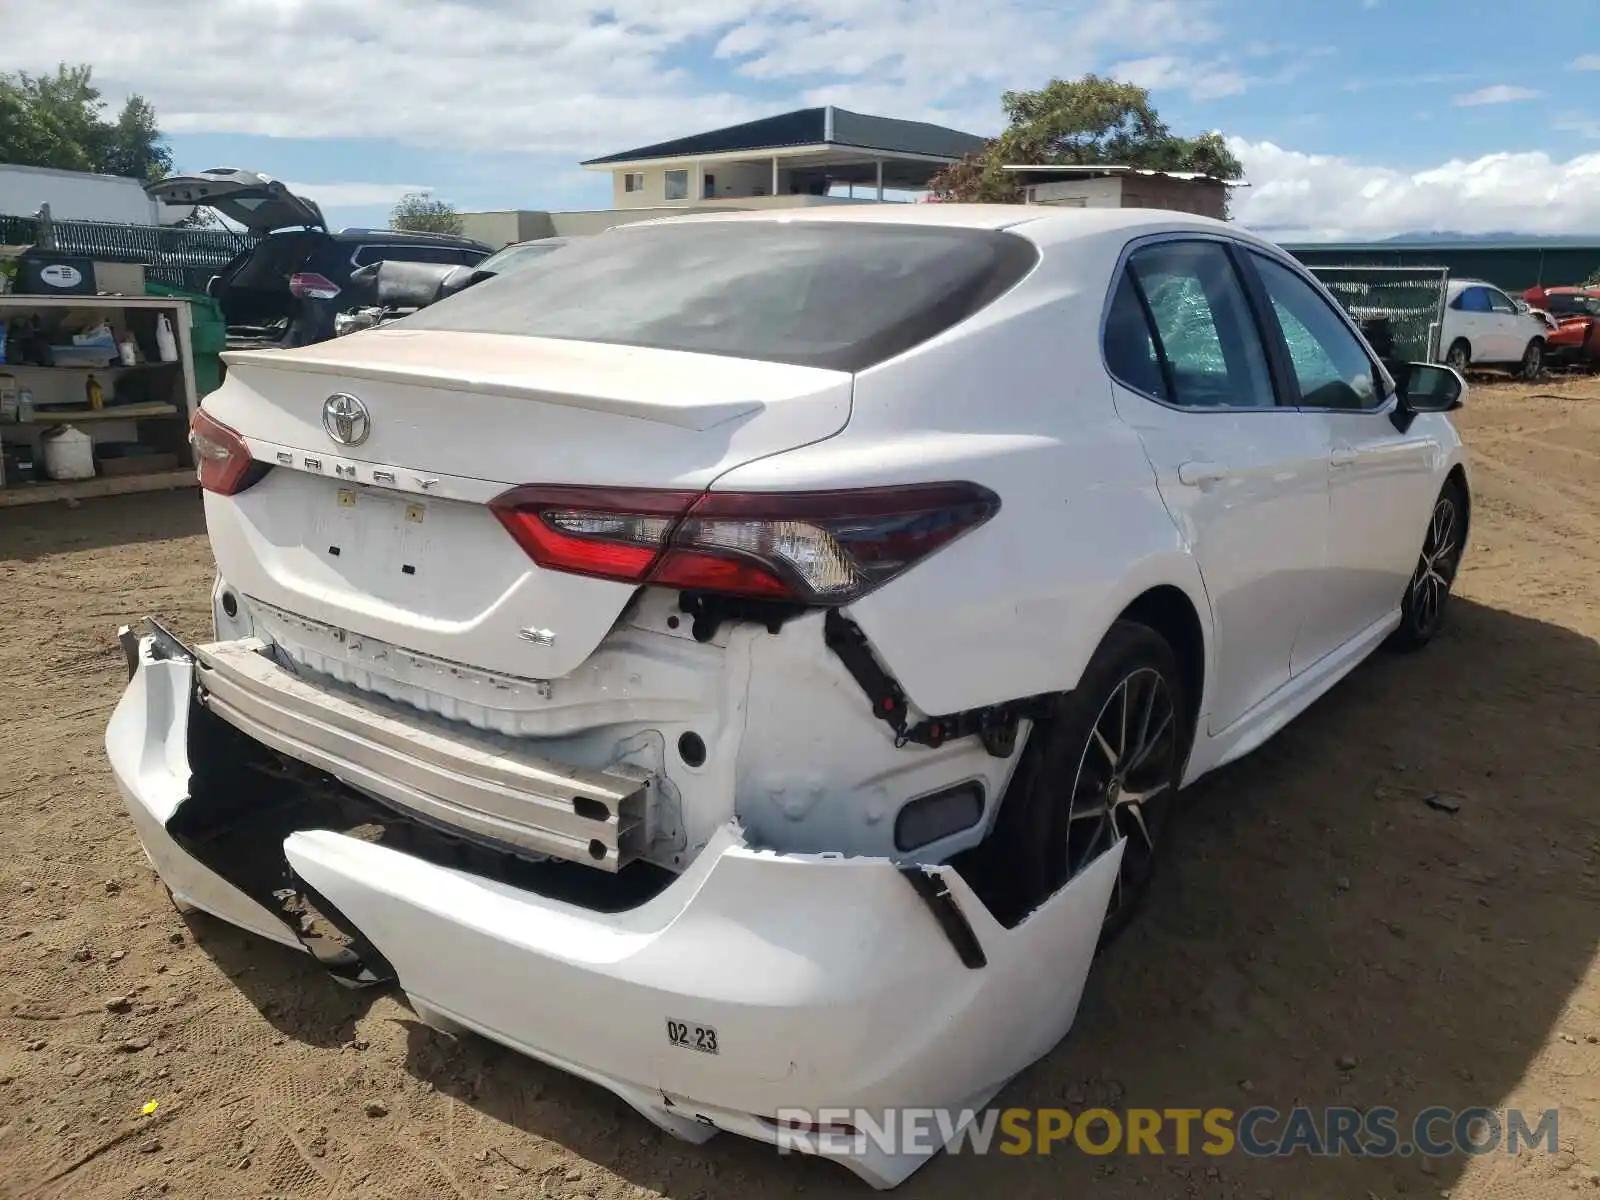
x=208 y=333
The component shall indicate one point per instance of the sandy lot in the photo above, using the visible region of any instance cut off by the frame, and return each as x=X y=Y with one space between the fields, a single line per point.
x=1319 y=910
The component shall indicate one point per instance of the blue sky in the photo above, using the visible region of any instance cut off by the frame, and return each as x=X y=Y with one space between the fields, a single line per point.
x=1353 y=117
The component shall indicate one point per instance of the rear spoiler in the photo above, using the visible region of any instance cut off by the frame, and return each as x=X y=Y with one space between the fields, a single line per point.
x=455 y=362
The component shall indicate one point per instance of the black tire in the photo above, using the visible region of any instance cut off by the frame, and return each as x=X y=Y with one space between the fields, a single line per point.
x=1459 y=355
x=1037 y=845
x=1532 y=360
x=1422 y=611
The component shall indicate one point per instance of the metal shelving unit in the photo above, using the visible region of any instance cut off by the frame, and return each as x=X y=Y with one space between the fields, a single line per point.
x=161 y=422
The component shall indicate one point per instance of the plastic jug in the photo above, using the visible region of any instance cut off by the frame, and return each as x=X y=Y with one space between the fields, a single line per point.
x=166 y=342
x=68 y=453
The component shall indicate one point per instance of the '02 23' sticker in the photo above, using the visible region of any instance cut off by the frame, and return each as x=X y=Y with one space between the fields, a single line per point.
x=691 y=1036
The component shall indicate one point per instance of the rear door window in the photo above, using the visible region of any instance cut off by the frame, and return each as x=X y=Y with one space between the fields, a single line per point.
x=828 y=294
x=1205 y=332
x=1131 y=353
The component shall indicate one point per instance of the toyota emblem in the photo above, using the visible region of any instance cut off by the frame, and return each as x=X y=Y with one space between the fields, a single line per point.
x=346 y=419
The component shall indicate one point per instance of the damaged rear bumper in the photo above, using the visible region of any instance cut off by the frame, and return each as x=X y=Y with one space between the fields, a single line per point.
x=753 y=984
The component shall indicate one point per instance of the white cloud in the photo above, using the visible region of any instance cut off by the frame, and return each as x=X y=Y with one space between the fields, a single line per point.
x=1202 y=80
x=1578 y=122
x=354 y=195
x=1411 y=79
x=1585 y=62
x=1499 y=93
x=1294 y=195
x=524 y=88
x=568 y=78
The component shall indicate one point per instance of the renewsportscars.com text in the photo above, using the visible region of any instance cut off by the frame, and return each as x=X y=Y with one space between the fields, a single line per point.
x=1260 y=1132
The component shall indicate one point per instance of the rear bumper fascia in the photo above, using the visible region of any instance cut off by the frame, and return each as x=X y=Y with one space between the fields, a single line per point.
x=828 y=981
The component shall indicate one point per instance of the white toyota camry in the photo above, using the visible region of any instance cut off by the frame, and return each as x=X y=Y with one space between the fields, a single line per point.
x=748 y=660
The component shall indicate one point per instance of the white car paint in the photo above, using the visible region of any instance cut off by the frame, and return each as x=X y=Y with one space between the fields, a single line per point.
x=1494 y=328
x=788 y=923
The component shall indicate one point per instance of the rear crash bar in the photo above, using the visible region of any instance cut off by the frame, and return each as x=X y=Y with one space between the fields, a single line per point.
x=500 y=796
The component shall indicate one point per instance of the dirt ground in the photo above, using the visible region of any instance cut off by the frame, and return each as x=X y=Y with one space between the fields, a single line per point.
x=1320 y=911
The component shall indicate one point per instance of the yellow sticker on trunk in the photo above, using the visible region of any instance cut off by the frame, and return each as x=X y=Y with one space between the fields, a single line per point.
x=414 y=513
x=347 y=498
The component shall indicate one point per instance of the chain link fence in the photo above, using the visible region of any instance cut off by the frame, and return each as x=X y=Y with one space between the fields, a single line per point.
x=1408 y=300
x=180 y=258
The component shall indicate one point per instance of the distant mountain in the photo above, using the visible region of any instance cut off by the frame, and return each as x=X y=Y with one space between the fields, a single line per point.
x=1546 y=239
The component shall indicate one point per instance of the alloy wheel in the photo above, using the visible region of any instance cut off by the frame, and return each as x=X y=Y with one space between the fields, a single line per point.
x=1457 y=358
x=1533 y=360
x=1436 y=569
x=1124 y=782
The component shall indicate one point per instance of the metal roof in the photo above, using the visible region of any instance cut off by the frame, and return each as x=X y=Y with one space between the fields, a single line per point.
x=824 y=126
x=1087 y=170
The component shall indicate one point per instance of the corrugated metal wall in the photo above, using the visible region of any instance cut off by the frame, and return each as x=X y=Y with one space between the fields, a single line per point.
x=1514 y=268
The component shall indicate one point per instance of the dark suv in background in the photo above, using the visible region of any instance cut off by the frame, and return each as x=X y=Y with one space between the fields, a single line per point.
x=286 y=288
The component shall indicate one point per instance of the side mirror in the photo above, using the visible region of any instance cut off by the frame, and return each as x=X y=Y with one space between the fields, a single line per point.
x=1426 y=388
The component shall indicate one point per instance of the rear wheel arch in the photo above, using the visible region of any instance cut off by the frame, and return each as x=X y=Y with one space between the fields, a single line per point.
x=1028 y=852
x=1168 y=611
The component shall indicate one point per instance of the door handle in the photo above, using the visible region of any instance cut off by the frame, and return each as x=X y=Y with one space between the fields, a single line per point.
x=1343 y=458
x=1198 y=474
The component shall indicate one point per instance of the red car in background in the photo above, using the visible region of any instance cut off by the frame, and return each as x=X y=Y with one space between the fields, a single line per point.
x=1577 y=312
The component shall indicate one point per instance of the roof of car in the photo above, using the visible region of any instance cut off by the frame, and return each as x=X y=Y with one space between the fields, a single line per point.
x=1068 y=221
x=353 y=234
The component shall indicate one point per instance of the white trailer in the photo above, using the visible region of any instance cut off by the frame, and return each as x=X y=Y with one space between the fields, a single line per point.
x=81 y=196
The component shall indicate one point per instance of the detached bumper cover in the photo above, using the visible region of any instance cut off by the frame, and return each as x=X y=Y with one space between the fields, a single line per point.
x=753 y=984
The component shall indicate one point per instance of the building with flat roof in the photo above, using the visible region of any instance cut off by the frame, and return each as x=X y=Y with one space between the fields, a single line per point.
x=1114 y=186
x=808 y=153
x=824 y=155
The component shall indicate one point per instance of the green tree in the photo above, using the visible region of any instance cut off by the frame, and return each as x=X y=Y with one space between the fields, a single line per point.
x=59 y=121
x=134 y=146
x=1079 y=122
x=421 y=213
x=201 y=218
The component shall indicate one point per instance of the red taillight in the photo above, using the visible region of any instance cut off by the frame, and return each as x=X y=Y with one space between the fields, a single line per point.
x=613 y=533
x=804 y=547
x=222 y=460
x=308 y=285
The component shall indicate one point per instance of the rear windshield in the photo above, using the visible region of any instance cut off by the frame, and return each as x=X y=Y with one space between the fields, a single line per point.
x=823 y=294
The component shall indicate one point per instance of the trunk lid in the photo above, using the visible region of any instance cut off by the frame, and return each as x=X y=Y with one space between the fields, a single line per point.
x=258 y=202
x=374 y=517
